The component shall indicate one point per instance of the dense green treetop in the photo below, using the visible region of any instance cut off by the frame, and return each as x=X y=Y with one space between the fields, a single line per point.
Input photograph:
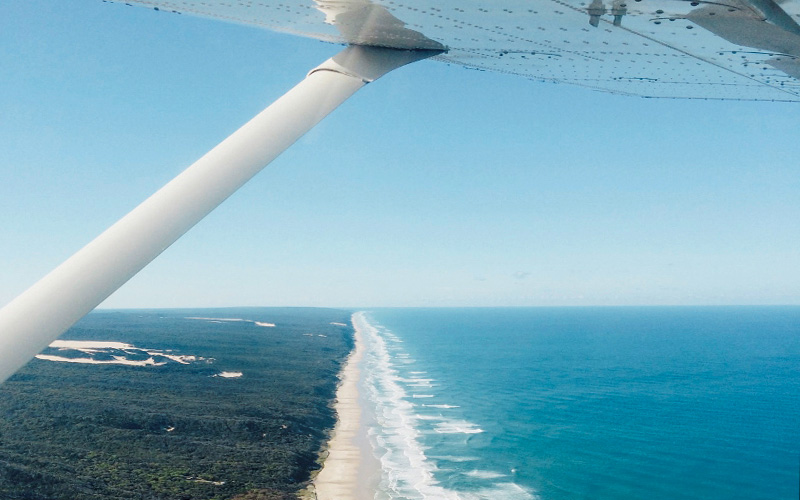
x=176 y=431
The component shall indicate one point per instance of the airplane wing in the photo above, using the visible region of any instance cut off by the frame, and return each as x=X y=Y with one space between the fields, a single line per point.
x=727 y=49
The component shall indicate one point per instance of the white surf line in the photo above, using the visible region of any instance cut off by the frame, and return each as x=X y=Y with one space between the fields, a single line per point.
x=349 y=455
x=406 y=470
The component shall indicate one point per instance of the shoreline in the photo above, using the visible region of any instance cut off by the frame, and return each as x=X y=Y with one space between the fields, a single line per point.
x=350 y=471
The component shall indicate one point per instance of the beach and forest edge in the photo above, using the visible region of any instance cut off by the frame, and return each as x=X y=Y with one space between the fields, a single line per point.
x=530 y=403
x=458 y=403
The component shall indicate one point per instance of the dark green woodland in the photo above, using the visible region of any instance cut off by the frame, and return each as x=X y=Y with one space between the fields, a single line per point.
x=176 y=431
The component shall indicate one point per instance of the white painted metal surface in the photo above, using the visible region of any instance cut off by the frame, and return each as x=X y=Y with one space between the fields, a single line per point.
x=728 y=49
x=35 y=318
x=653 y=48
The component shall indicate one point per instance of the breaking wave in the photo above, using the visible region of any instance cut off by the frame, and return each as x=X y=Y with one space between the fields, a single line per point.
x=411 y=466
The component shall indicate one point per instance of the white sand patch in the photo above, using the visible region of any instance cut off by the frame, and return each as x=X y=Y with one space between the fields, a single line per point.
x=229 y=374
x=118 y=360
x=89 y=344
x=205 y=481
x=119 y=352
x=184 y=360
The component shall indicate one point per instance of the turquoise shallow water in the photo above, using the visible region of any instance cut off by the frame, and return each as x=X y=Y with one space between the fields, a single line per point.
x=573 y=403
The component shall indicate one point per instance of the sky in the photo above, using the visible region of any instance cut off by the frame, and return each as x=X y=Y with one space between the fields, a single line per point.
x=434 y=186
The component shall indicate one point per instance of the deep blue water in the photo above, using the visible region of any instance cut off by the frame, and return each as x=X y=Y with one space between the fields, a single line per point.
x=573 y=403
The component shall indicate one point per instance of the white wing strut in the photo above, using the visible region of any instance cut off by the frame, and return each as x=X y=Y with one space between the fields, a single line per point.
x=47 y=309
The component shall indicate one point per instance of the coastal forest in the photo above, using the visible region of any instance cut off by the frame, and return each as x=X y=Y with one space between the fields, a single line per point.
x=178 y=404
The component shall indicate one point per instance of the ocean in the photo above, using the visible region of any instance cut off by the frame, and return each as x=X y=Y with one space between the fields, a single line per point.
x=584 y=403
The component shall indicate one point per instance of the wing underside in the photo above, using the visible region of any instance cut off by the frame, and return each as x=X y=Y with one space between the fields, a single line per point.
x=728 y=49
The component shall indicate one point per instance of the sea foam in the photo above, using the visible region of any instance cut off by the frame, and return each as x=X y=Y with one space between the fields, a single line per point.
x=401 y=425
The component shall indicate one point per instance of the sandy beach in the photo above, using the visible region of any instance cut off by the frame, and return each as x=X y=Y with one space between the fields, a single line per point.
x=350 y=471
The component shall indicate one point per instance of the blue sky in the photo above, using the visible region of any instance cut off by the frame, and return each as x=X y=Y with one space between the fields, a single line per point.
x=434 y=186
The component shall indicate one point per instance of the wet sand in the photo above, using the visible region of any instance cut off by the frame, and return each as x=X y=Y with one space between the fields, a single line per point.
x=350 y=471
